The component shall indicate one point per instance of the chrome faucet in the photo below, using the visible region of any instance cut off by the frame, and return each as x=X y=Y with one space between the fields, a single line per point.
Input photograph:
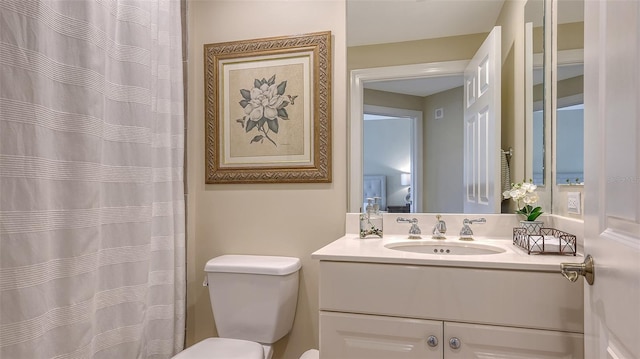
x=414 y=231
x=439 y=229
x=466 y=234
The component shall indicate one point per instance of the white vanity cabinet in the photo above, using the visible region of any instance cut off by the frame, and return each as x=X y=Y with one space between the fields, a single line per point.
x=373 y=310
x=476 y=341
x=346 y=335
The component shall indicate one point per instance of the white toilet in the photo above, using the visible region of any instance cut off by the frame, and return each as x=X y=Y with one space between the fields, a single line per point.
x=254 y=302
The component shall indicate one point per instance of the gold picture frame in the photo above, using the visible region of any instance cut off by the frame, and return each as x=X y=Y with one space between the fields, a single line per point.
x=268 y=110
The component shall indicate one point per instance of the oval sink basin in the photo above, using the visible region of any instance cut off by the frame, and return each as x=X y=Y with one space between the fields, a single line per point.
x=445 y=248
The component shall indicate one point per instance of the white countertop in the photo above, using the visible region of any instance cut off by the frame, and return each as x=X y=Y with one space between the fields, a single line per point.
x=351 y=248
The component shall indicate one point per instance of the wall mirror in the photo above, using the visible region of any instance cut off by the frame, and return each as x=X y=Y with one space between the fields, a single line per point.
x=389 y=83
x=568 y=117
x=553 y=133
x=534 y=60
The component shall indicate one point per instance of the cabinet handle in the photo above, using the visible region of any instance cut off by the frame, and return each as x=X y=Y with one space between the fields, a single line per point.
x=455 y=343
x=432 y=341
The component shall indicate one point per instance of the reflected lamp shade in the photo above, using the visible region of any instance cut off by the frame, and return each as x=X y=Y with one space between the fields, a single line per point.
x=405 y=179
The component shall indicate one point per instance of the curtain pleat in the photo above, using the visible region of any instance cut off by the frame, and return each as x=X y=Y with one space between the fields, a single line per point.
x=92 y=214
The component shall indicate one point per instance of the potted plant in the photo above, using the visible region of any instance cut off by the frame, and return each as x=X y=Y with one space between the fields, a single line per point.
x=525 y=192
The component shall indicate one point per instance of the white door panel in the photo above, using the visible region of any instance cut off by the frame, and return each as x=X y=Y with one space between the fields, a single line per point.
x=482 y=127
x=612 y=172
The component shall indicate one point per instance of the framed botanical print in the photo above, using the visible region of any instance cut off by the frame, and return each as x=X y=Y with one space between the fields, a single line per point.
x=268 y=110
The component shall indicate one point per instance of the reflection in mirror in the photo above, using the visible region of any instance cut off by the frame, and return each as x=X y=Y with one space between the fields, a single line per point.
x=439 y=101
x=569 y=119
x=391 y=139
x=409 y=40
x=534 y=90
x=435 y=106
x=570 y=146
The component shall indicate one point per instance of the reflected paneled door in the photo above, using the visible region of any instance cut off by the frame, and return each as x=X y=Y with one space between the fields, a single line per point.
x=482 y=79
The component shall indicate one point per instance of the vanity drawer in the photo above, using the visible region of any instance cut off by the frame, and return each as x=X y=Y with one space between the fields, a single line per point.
x=528 y=299
x=355 y=336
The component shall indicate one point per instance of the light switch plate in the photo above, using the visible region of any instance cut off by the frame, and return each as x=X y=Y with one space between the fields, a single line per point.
x=573 y=202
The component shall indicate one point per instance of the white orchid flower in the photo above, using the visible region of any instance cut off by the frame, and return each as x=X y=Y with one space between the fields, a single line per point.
x=530 y=198
x=528 y=187
x=517 y=193
x=525 y=192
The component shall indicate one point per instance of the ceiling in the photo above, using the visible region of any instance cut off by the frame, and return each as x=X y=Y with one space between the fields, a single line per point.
x=372 y=22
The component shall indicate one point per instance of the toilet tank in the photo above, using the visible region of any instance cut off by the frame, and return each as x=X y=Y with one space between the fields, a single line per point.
x=253 y=297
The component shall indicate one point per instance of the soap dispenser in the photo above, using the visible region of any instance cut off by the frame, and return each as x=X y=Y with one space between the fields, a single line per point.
x=439 y=229
x=377 y=218
x=376 y=205
x=371 y=220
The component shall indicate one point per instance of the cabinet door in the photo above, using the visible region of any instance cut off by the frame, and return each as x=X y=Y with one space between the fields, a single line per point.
x=482 y=341
x=355 y=336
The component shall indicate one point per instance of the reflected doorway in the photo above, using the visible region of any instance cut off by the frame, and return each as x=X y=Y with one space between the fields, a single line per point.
x=392 y=144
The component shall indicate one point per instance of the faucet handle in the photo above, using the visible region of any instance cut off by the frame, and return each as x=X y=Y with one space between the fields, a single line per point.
x=468 y=221
x=414 y=231
x=406 y=220
x=466 y=234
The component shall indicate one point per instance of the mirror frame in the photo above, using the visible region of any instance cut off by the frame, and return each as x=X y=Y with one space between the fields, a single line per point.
x=358 y=78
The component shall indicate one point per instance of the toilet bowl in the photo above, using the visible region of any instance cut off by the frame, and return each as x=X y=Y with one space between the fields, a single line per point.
x=213 y=348
x=224 y=348
x=254 y=301
x=310 y=354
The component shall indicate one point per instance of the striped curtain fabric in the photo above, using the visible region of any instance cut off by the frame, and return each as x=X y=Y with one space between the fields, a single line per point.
x=92 y=219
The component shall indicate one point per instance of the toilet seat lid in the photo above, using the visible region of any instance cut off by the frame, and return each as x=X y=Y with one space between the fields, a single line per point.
x=252 y=264
x=211 y=348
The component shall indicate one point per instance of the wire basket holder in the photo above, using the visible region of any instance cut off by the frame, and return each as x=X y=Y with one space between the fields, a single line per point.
x=548 y=241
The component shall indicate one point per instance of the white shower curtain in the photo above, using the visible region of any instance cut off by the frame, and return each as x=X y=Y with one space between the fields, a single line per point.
x=91 y=179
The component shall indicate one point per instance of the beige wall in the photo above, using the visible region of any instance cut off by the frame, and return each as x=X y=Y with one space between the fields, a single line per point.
x=390 y=99
x=271 y=219
x=414 y=52
x=570 y=87
x=570 y=36
x=443 y=152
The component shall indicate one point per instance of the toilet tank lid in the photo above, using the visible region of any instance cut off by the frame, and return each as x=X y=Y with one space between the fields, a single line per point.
x=253 y=264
